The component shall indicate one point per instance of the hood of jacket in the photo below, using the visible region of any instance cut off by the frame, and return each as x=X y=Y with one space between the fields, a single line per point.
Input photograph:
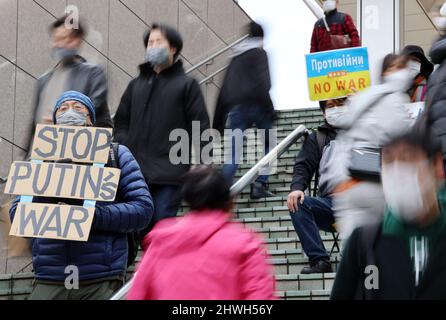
x=358 y=103
x=246 y=45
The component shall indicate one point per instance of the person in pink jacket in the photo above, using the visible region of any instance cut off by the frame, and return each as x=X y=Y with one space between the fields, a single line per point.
x=203 y=255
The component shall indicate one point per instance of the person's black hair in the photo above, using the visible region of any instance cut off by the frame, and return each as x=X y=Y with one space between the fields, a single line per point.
x=206 y=188
x=255 y=30
x=172 y=35
x=420 y=138
x=389 y=60
x=323 y=105
x=79 y=32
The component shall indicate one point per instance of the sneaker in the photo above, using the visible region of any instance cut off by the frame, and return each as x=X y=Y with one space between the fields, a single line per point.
x=321 y=266
x=260 y=191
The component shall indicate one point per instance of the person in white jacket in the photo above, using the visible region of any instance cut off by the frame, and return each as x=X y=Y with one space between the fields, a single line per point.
x=373 y=118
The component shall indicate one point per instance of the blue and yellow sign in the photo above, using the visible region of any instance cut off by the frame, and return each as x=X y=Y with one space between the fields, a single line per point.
x=337 y=73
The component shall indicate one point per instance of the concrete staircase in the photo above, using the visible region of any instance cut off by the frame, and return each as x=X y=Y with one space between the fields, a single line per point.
x=270 y=217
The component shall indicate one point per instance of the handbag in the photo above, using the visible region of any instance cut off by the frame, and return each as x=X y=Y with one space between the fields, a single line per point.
x=365 y=164
x=338 y=41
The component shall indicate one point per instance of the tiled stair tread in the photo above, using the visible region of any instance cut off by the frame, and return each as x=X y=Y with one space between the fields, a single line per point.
x=273 y=209
x=17 y=276
x=265 y=219
x=304 y=294
x=16 y=291
x=319 y=276
x=335 y=258
x=326 y=237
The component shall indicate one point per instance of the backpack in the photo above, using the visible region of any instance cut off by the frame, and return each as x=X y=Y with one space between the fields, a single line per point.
x=132 y=237
x=321 y=138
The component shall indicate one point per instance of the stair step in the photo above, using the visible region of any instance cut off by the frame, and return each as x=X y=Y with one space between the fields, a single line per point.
x=295 y=265
x=305 y=295
x=293 y=242
x=283 y=221
x=302 y=282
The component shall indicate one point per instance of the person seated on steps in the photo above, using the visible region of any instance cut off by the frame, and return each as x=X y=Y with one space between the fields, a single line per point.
x=310 y=214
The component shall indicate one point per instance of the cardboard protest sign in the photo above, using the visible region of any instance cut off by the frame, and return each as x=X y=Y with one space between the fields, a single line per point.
x=80 y=144
x=49 y=221
x=63 y=180
x=337 y=73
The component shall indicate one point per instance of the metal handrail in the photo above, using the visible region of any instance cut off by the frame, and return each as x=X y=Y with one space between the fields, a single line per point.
x=266 y=161
x=215 y=55
x=244 y=181
x=12 y=143
x=213 y=75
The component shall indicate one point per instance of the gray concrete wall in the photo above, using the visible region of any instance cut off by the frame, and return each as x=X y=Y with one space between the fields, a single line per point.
x=114 y=41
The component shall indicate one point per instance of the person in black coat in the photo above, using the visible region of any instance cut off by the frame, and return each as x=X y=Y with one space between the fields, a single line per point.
x=162 y=100
x=244 y=100
x=309 y=214
x=435 y=114
x=403 y=257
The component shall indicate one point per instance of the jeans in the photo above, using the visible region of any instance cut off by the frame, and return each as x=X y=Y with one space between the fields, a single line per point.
x=313 y=215
x=167 y=202
x=244 y=117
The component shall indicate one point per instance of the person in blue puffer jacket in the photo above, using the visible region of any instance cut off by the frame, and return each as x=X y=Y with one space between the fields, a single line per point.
x=102 y=261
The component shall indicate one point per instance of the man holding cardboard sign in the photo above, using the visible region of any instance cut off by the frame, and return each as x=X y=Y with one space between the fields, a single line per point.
x=72 y=238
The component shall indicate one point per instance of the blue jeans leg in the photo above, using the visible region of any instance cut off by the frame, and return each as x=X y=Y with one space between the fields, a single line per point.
x=264 y=121
x=167 y=202
x=238 y=118
x=313 y=215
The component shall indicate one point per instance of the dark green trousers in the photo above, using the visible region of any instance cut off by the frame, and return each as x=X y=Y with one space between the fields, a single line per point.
x=101 y=290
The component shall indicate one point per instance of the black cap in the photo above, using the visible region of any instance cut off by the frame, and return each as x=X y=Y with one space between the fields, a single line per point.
x=426 y=66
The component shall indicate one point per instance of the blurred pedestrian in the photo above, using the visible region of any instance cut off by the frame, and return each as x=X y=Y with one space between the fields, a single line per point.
x=72 y=72
x=375 y=116
x=244 y=100
x=160 y=100
x=435 y=115
x=403 y=256
x=204 y=255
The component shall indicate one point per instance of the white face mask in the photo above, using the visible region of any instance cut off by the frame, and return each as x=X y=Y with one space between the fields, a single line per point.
x=403 y=193
x=414 y=66
x=332 y=115
x=329 y=5
x=404 y=77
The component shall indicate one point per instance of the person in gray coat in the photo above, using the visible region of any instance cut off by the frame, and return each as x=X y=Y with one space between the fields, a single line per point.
x=72 y=72
x=374 y=116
